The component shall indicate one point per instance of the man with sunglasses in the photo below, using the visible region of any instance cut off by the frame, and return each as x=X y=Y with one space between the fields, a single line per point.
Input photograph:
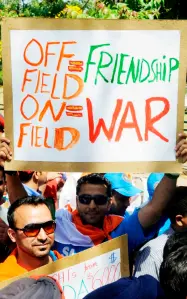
x=32 y=228
x=91 y=224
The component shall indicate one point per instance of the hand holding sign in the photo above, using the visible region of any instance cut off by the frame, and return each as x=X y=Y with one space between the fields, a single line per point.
x=6 y=153
x=181 y=147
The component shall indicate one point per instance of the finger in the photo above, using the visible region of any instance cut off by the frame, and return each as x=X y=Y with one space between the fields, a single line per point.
x=180 y=143
x=184 y=152
x=3 y=158
x=5 y=154
x=178 y=154
x=182 y=147
x=4 y=150
x=4 y=145
x=4 y=139
x=181 y=136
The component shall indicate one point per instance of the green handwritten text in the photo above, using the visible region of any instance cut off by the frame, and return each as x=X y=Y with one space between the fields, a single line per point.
x=122 y=68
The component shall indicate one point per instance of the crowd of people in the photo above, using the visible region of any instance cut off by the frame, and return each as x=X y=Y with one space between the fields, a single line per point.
x=37 y=229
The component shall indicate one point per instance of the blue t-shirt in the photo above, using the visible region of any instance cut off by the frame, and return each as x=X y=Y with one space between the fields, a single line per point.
x=68 y=249
x=68 y=240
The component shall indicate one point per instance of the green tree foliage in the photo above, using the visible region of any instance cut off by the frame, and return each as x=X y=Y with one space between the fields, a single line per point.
x=174 y=9
x=43 y=8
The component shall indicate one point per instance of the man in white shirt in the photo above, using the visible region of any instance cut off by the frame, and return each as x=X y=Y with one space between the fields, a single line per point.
x=150 y=256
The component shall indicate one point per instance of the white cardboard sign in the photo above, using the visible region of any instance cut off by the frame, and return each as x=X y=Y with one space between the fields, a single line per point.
x=95 y=95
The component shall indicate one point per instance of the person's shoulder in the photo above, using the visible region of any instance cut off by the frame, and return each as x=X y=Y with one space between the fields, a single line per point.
x=153 y=250
x=132 y=218
x=11 y=259
x=5 y=267
x=160 y=242
x=128 y=225
x=134 y=214
x=5 y=263
x=9 y=268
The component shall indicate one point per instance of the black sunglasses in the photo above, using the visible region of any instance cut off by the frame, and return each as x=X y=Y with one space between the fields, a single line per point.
x=33 y=229
x=98 y=199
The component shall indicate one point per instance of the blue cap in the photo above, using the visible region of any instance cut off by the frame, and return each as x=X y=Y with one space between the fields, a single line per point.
x=152 y=182
x=122 y=184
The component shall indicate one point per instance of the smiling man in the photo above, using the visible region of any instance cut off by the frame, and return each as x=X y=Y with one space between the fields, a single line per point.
x=32 y=228
x=89 y=224
x=92 y=224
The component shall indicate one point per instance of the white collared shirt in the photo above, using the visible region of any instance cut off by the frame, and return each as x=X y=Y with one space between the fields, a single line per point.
x=150 y=256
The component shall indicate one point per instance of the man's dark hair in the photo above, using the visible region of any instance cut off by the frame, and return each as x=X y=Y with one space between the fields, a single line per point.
x=95 y=179
x=29 y=200
x=179 y=204
x=175 y=241
x=25 y=176
x=173 y=274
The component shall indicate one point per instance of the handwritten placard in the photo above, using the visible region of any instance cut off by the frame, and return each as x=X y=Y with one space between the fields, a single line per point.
x=80 y=280
x=98 y=95
x=88 y=270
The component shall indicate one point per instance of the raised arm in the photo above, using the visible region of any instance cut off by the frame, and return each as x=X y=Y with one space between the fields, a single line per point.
x=152 y=212
x=15 y=188
x=14 y=185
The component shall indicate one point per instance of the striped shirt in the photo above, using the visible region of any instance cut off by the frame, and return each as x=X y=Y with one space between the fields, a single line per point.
x=150 y=256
